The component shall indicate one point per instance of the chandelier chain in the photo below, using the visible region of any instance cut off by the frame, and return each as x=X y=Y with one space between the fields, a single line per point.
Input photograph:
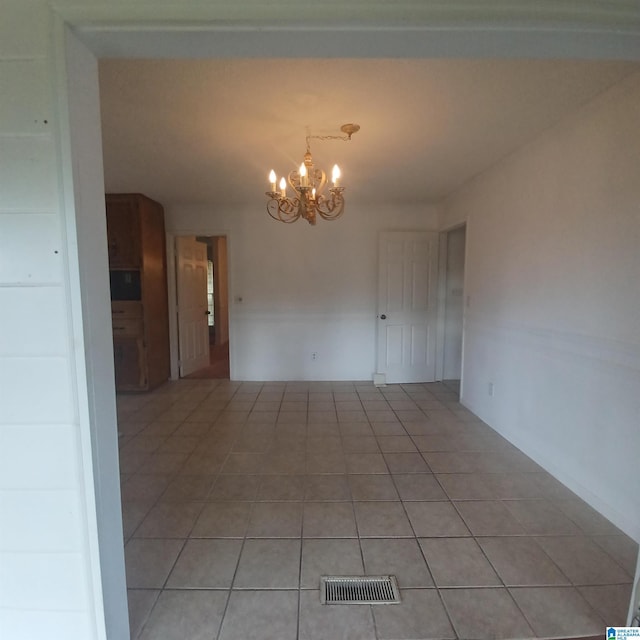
x=345 y=138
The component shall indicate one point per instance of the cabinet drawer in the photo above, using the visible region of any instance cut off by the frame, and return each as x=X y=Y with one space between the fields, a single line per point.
x=125 y=309
x=127 y=326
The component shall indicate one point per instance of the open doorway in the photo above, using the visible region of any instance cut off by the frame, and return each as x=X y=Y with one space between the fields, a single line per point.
x=101 y=413
x=455 y=241
x=203 y=306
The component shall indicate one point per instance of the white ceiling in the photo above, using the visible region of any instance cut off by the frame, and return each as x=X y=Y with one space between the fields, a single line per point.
x=209 y=131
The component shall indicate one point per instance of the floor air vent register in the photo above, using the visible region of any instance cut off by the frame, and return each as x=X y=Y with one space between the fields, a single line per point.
x=359 y=590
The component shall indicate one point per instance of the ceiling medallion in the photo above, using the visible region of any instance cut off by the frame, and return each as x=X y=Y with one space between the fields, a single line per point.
x=308 y=183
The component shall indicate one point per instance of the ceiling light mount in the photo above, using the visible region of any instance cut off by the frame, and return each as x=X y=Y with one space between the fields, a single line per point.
x=350 y=128
x=308 y=183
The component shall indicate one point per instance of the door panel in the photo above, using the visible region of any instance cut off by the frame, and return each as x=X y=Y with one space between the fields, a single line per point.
x=191 y=267
x=419 y=345
x=394 y=344
x=406 y=299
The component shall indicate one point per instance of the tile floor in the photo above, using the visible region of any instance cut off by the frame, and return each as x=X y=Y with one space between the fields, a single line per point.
x=237 y=497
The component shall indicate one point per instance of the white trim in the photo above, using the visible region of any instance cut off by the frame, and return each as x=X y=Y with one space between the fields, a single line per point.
x=612 y=354
x=172 y=309
x=634 y=605
x=442 y=303
x=565 y=29
x=79 y=373
x=360 y=42
x=442 y=297
x=505 y=14
x=465 y=303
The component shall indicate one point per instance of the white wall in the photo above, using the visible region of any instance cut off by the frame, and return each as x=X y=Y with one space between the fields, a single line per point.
x=553 y=266
x=304 y=289
x=50 y=577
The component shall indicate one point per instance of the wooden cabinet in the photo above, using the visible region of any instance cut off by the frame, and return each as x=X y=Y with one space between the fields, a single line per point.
x=128 y=357
x=123 y=232
x=139 y=305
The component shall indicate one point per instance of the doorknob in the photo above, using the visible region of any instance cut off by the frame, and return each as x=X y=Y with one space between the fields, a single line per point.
x=383 y=317
x=207 y=312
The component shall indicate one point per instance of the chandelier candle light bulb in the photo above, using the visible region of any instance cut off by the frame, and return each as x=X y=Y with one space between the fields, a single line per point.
x=335 y=175
x=304 y=181
x=308 y=182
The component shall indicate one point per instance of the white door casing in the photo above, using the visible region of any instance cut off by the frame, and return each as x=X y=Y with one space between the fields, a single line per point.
x=453 y=303
x=191 y=285
x=407 y=305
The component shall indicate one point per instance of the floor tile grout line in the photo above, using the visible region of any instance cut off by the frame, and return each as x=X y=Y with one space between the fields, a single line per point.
x=149 y=613
x=222 y=617
x=572 y=587
x=160 y=592
x=300 y=572
x=233 y=579
x=446 y=610
x=592 y=536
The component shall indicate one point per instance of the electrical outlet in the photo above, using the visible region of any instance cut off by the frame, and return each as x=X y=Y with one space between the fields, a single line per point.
x=491 y=389
x=314 y=355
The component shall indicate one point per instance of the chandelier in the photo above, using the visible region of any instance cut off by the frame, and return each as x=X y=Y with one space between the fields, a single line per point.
x=308 y=183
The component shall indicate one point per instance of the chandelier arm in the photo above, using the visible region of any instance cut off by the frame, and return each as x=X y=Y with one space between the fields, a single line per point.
x=318 y=178
x=284 y=209
x=294 y=179
x=333 y=207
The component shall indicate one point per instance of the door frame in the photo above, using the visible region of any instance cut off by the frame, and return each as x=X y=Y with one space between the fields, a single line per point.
x=172 y=287
x=442 y=298
x=102 y=26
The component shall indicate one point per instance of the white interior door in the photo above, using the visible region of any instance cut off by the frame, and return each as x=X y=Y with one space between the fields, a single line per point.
x=407 y=304
x=191 y=281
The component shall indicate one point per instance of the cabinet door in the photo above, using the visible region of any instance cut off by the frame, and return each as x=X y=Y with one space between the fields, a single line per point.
x=123 y=232
x=129 y=363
